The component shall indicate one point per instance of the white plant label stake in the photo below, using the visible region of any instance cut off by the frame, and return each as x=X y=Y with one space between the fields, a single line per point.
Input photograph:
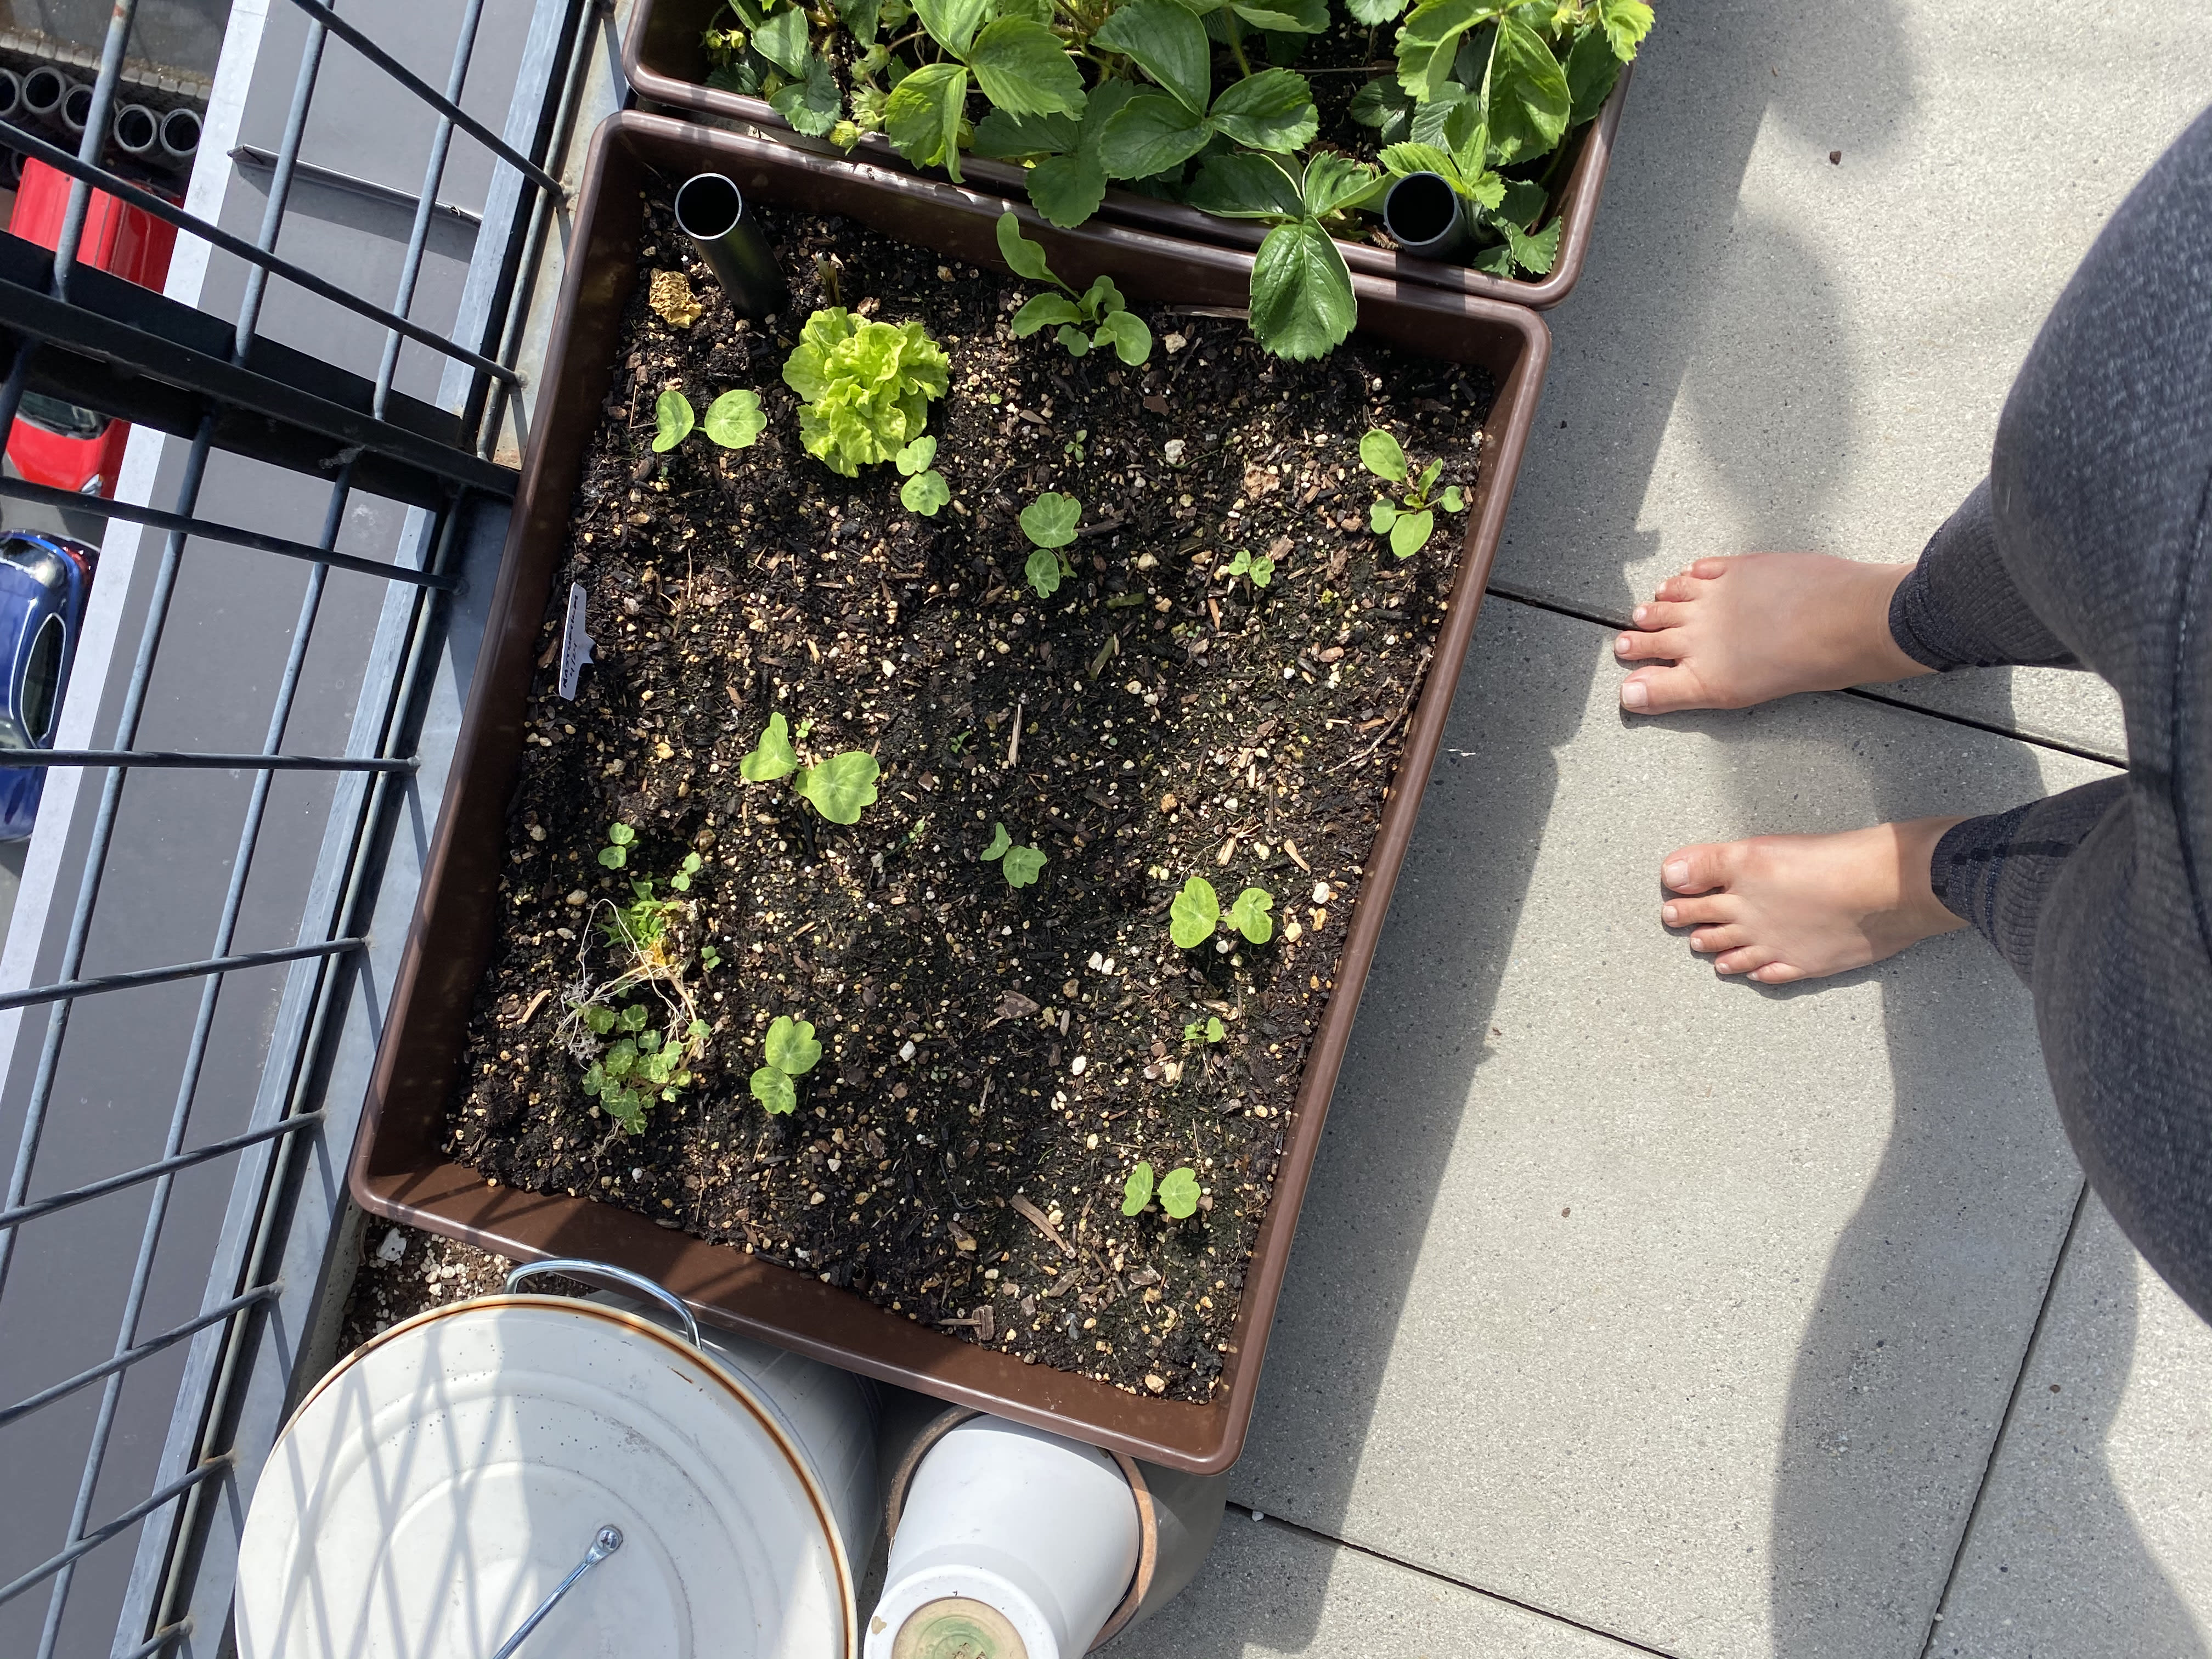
x=575 y=643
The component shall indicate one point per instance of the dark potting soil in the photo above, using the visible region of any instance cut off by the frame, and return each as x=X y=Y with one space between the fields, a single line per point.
x=995 y=1060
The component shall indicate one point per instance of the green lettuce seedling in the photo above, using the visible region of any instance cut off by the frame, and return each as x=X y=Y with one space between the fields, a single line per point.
x=840 y=788
x=866 y=385
x=791 y=1052
x=1407 y=523
x=1100 y=308
x=1049 y=522
x=925 y=490
x=1019 y=865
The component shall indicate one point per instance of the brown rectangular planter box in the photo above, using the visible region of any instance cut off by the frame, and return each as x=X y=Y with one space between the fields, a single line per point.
x=399 y=1170
x=667 y=63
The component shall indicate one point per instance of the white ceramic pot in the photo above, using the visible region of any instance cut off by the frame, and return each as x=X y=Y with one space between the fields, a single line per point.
x=1012 y=1544
x=437 y=1486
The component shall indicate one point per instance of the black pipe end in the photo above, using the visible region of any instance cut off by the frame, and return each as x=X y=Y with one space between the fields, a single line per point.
x=1423 y=215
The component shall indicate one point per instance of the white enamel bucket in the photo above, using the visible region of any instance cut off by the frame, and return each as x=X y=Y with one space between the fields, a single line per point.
x=439 y=1485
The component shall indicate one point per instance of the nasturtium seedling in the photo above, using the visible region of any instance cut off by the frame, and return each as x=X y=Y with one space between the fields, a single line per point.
x=615 y=853
x=681 y=881
x=1192 y=915
x=925 y=490
x=773 y=757
x=1099 y=309
x=735 y=419
x=791 y=1051
x=1212 y=1031
x=1019 y=865
x=1410 y=522
x=1137 y=1190
x=1260 y=570
x=840 y=787
x=1249 y=917
x=672 y=420
x=1049 y=522
x=1179 y=1193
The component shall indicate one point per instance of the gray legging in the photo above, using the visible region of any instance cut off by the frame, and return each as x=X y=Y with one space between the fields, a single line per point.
x=2085 y=548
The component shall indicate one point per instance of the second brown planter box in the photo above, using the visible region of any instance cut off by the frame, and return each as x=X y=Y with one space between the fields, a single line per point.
x=667 y=62
x=399 y=1170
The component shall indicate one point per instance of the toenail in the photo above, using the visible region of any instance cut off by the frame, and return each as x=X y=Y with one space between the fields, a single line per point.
x=1676 y=873
x=1634 y=694
x=1667 y=915
x=1637 y=614
x=1623 y=645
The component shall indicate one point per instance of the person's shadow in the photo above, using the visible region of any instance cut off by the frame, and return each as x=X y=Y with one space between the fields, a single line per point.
x=1930 y=1292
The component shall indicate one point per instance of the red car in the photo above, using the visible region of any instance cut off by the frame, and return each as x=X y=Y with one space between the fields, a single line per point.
x=53 y=442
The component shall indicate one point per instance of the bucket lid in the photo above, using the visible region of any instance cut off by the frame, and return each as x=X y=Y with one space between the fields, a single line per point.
x=442 y=1482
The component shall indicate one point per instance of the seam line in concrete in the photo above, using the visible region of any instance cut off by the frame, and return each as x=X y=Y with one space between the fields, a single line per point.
x=1557 y=1618
x=2004 y=1420
x=2059 y=745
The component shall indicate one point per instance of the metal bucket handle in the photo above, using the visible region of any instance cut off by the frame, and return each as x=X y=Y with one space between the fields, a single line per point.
x=582 y=1267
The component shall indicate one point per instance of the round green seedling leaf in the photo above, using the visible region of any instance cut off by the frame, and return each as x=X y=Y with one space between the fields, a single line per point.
x=790 y=1046
x=917 y=456
x=773 y=757
x=1073 y=341
x=635 y=1017
x=1050 y=520
x=1454 y=501
x=1137 y=1191
x=1249 y=917
x=999 y=841
x=1380 y=453
x=1196 y=909
x=1382 y=516
x=1022 y=866
x=1215 y=1031
x=1043 y=572
x=926 y=493
x=734 y=419
x=621 y=834
x=1127 y=333
x=672 y=420
x=842 y=786
x=598 y=1020
x=1179 y=1193
x=775 y=1090
x=614 y=857
x=1411 y=533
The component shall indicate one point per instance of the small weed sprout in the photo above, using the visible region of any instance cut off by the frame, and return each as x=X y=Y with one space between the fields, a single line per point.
x=1259 y=571
x=615 y=853
x=1099 y=308
x=1019 y=865
x=840 y=788
x=681 y=881
x=925 y=490
x=1177 y=1190
x=1212 y=1031
x=1408 y=521
x=791 y=1051
x=1050 y=523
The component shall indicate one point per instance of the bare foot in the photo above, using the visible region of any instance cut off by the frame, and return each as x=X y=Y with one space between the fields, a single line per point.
x=1784 y=908
x=1740 y=631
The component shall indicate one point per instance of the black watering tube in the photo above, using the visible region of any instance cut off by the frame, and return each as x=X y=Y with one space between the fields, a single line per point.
x=711 y=211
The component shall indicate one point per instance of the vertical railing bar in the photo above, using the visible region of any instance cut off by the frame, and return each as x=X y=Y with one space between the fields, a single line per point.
x=157 y=1206
x=93 y=141
x=280 y=183
x=434 y=178
x=405 y=685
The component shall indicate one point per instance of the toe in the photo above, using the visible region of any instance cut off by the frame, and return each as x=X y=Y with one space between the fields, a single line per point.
x=1713 y=910
x=1701 y=868
x=1661 y=613
x=1706 y=569
x=1644 y=645
x=1744 y=959
x=1779 y=973
x=1716 y=941
x=1677 y=588
x=1664 y=691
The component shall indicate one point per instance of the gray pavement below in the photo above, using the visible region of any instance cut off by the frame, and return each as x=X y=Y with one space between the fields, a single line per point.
x=1637 y=1311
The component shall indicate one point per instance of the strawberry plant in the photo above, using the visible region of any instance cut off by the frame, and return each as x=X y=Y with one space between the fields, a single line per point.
x=1409 y=520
